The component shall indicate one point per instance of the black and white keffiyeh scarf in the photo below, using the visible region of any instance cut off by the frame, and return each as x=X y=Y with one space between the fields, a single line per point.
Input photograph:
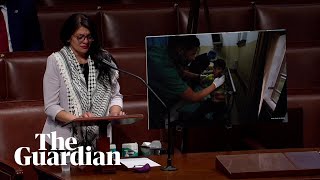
x=94 y=97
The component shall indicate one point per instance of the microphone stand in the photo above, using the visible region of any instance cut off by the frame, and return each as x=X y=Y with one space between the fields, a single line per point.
x=169 y=166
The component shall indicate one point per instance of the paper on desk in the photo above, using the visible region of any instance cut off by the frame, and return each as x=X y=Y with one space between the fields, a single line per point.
x=130 y=162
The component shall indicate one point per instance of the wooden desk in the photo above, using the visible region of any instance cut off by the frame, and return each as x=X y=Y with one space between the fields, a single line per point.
x=190 y=166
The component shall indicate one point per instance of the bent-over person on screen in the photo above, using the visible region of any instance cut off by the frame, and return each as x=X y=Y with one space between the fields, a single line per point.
x=167 y=76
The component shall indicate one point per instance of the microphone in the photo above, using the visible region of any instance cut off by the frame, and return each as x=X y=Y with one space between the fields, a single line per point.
x=169 y=166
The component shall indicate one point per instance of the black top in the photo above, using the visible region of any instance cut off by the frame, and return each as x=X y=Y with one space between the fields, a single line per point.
x=85 y=70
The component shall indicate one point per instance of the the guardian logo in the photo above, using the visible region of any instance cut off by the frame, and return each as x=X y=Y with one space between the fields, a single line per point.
x=76 y=154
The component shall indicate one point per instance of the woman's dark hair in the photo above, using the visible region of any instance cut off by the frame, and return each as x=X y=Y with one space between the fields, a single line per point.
x=97 y=54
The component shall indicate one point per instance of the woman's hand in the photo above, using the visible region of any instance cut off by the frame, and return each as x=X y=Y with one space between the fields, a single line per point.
x=121 y=113
x=87 y=115
x=116 y=111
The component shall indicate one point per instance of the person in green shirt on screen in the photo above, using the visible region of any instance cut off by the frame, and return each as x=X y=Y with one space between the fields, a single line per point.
x=166 y=74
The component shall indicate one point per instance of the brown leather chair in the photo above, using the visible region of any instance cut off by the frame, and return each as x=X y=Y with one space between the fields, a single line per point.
x=303 y=92
x=63 y=3
x=19 y=122
x=300 y=21
x=303 y=72
x=295 y=2
x=3 y=93
x=24 y=74
x=52 y=19
x=222 y=18
x=127 y=26
x=311 y=124
x=10 y=171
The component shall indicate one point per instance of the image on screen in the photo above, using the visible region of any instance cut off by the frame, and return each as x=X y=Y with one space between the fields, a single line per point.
x=248 y=70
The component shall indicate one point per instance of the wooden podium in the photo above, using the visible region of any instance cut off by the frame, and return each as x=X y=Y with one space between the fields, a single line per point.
x=103 y=142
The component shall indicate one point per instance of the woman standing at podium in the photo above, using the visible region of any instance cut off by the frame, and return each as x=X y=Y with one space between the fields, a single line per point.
x=77 y=83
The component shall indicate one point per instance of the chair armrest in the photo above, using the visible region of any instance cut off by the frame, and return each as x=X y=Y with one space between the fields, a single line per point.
x=10 y=170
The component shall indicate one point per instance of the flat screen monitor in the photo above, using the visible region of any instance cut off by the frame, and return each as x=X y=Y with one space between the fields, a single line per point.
x=248 y=67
